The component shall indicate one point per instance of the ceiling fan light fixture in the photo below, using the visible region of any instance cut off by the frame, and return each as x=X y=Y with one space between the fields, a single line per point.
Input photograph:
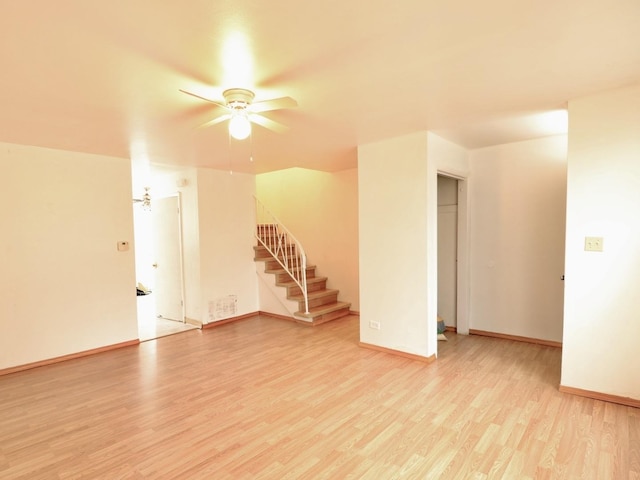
x=239 y=126
x=242 y=112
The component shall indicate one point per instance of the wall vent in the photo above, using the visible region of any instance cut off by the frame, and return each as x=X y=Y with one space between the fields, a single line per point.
x=223 y=307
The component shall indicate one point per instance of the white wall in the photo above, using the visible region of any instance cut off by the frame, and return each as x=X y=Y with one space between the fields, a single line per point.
x=449 y=158
x=393 y=224
x=321 y=210
x=517 y=221
x=227 y=225
x=65 y=286
x=602 y=297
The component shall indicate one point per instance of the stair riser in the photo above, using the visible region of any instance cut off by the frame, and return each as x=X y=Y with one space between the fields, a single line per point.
x=285 y=277
x=330 y=316
x=272 y=264
x=261 y=251
x=290 y=249
x=264 y=253
x=274 y=240
x=312 y=287
x=317 y=302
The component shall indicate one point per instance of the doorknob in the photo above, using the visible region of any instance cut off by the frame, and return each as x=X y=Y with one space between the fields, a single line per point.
x=155 y=265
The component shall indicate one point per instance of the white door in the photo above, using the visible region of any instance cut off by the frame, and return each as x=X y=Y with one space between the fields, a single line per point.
x=168 y=258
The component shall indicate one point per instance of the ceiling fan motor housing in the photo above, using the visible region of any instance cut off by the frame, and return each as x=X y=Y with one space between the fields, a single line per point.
x=238 y=98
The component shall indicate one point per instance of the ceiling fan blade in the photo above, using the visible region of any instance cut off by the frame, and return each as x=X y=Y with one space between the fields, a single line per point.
x=268 y=123
x=205 y=99
x=216 y=120
x=273 y=104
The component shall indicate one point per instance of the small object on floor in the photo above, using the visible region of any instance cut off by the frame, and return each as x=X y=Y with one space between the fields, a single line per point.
x=441 y=328
x=142 y=290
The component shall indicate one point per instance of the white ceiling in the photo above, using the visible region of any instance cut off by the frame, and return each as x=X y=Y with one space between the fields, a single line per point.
x=104 y=77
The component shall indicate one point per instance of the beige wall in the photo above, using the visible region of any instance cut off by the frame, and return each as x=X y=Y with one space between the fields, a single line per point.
x=321 y=210
x=517 y=226
x=226 y=228
x=65 y=286
x=602 y=296
x=394 y=287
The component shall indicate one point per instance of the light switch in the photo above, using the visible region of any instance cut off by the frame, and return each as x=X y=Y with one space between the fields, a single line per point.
x=593 y=244
x=123 y=246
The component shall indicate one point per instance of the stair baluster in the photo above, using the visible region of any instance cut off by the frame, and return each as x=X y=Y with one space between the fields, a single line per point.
x=284 y=247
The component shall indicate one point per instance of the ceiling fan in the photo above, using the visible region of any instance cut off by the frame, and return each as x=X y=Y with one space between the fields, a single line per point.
x=242 y=111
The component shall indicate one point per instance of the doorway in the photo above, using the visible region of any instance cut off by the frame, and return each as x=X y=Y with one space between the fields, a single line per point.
x=454 y=198
x=448 y=250
x=158 y=248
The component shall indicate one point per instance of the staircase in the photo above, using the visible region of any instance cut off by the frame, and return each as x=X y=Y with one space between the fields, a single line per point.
x=284 y=257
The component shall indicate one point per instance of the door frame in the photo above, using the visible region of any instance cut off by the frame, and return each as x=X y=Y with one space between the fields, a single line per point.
x=183 y=318
x=462 y=268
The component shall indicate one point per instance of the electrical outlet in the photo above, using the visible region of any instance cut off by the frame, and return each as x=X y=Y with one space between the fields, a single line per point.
x=374 y=325
x=593 y=244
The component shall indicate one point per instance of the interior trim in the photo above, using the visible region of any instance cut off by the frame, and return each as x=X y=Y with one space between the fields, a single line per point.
x=517 y=338
x=411 y=356
x=224 y=321
x=605 y=397
x=278 y=316
x=71 y=356
x=191 y=321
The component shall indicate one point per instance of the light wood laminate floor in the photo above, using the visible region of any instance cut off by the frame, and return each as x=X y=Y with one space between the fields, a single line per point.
x=269 y=399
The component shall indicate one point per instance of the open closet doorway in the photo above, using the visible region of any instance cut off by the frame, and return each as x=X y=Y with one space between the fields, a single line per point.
x=448 y=250
x=453 y=251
